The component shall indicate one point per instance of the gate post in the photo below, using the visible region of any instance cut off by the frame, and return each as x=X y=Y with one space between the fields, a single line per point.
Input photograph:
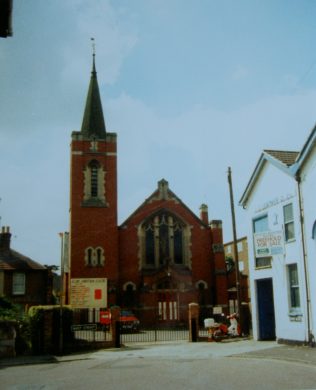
x=194 y=321
x=115 y=326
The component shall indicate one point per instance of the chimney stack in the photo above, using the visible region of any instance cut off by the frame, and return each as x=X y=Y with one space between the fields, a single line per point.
x=204 y=213
x=5 y=238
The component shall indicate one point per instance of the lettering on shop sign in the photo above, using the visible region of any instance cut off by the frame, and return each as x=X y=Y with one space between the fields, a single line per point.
x=269 y=243
x=274 y=202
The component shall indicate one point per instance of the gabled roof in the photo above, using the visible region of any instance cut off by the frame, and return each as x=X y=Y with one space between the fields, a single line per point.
x=10 y=260
x=163 y=193
x=306 y=150
x=284 y=156
x=281 y=159
x=289 y=162
x=93 y=124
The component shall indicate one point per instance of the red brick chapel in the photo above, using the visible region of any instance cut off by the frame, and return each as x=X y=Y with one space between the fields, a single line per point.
x=162 y=257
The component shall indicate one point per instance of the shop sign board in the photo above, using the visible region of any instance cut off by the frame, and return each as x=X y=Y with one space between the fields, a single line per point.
x=269 y=243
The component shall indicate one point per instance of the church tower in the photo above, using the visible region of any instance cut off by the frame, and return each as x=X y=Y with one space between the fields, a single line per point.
x=93 y=196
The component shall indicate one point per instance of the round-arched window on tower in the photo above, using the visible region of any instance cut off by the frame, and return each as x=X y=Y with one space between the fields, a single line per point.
x=94 y=183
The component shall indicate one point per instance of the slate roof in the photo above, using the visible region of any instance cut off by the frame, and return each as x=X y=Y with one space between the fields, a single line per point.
x=10 y=260
x=93 y=124
x=284 y=156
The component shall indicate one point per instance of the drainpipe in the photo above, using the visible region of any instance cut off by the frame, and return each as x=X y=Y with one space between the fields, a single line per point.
x=311 y=340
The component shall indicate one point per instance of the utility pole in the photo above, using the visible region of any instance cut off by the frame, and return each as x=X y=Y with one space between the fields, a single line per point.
x=61 y=296
x=239 y=312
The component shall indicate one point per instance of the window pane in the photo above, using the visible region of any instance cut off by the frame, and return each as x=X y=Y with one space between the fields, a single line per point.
x=295 y=297
x=150 y=247
x=288 y=222
x=294 y=286
x=289 y=231
x=18 y=284
x=178 y=259
x=293 y=275
x=261 y=224
x=263 y=262
x=94 y=181
x=288 y=213
x=163 y=244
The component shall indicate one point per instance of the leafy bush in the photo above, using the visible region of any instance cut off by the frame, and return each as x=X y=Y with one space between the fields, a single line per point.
x=8 y=311
x=11 y=312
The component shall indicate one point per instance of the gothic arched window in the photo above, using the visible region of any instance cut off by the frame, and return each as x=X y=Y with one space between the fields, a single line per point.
x=165 y=240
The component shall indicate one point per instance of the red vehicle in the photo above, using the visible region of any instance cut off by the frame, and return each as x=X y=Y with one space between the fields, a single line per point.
x=129 y=323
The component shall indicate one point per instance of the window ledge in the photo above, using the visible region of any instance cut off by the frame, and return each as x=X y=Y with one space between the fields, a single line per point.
x=263 y=267
x=94 y=202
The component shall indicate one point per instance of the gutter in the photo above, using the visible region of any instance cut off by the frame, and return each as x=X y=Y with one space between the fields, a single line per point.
x=311 y=338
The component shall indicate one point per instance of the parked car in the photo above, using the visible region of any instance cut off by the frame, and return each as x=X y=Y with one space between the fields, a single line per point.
x=129 y=323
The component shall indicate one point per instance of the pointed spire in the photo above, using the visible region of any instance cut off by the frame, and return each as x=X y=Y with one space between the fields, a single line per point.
x=93 y=124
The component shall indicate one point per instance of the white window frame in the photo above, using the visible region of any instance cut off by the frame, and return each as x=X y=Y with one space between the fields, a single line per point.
x=261 y=262
x=294 y=309
x=287 y=222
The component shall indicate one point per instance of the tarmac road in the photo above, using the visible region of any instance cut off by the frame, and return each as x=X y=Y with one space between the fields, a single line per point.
x=243 y=364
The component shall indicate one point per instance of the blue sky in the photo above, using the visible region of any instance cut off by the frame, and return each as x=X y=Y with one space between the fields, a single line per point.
x=190 y=87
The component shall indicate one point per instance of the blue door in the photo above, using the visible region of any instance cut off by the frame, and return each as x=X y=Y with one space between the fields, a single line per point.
x=265 y=309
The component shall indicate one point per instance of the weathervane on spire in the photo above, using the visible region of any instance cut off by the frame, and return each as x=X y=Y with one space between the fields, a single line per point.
x=93 y=46
x=93 y=55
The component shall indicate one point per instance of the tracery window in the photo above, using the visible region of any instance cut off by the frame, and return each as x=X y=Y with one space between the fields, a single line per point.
x=165 y=240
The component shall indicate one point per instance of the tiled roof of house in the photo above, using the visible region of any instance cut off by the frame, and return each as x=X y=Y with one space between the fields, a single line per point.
x=285 y=157
x=11 y=260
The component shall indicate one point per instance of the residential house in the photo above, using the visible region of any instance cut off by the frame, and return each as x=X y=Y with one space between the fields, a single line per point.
x=22 y=280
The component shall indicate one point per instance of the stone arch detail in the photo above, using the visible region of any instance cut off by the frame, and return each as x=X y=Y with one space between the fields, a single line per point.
x=127 y=284
x=200 y=283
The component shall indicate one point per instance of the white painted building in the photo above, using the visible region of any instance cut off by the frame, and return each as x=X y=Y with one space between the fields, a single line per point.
x=280 y=204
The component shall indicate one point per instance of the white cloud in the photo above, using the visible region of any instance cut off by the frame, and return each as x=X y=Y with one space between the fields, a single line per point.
x=193 y=150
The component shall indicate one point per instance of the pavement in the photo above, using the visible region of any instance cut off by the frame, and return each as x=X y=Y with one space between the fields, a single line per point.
x=236 y=348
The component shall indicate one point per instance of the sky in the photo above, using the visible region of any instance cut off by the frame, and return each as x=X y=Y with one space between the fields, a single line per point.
x=191 y=87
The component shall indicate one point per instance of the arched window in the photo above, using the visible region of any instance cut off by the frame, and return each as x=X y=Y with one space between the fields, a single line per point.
x=94 y=257
x=129 y=296
x=165 y=240
x=89 y=256
x=94 y=169
x=99 y=256
x=94 y=184
x=314 y=231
